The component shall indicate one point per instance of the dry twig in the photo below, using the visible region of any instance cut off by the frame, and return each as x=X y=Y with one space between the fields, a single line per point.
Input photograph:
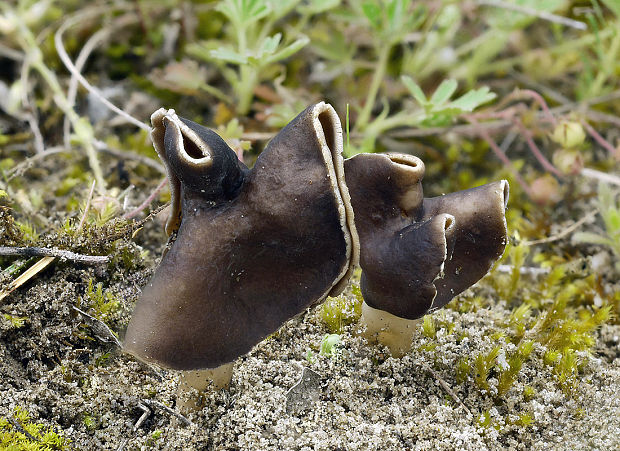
x=536 y=13
x=64 y=57
x=565 y=232
x=447 y=388
x=146 y=412
x=100 y=327
x=47 y=252
x=158 y=405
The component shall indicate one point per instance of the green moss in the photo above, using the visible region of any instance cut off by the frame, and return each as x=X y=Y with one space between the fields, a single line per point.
x=15 y=322
x=428 y=327
x=102 y=302
x=463 y=367
x=150 y=442
x=20 y=433
x=342 y=310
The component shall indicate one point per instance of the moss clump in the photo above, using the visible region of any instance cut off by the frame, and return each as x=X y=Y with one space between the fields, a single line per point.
x=342 y=310
x=20 y=433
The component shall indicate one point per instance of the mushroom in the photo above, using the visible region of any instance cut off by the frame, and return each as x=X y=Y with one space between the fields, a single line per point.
x=253 y=247
x=417 y=254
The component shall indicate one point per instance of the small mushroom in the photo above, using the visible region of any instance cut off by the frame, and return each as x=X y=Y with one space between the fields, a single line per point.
x=417 y=254
x=253 y=248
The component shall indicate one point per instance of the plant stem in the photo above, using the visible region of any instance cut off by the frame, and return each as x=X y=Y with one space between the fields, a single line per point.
x=84 y=134
x=377 y=78
x=607 y=68
x=509 y=63
x=245 y=89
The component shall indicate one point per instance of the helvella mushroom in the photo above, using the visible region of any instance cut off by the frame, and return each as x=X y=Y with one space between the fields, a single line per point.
x=416 y=253
x=253 y=248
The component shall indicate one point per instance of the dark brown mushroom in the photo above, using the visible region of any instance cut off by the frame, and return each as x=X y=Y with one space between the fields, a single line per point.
x=416 y=253
x=253 y=248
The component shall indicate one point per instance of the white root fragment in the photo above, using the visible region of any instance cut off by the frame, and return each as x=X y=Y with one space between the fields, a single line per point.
x=218 y=378
x=389 y=330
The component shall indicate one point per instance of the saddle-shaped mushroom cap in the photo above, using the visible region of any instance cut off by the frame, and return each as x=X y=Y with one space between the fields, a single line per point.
x=253 y=247
x=417 y=254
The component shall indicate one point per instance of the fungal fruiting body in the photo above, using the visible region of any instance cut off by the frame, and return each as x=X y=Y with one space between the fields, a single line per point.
x=417 y=254
x=253 y=248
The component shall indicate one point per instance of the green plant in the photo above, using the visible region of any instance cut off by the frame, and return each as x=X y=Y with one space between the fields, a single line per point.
x=428 y=327
x=508 y=374
x=330 y=345
x=150 y=442
x=90 y=422
x=28 y=232
x=15 y=322
x=609 y=209
x=483 y=363
x=17 y=25
x=255 y=49
x=390 y=21
x=437 y=110
x=23 y=434
x=342 y=310
x=463 y=368
x=103 y=303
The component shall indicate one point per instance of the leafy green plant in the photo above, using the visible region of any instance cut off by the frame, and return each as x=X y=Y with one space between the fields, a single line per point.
x=437 y=110
x=609 y=209
x=23 y=434
x=508 y=375
x=390 y=21
x=255 y=49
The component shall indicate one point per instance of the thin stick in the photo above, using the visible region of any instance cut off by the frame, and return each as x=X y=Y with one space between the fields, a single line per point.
x=16 y=424
x=447 y=388
x=85 y=52
x=10 y=53
x=600 y=176
x=534 y=12
x=100 y=145
x=64 y=57
x=26 y=164
x=26 y=276
x=147 y=201
x=110 y=337
x=546 y=90
x=96 y=39
x=135 y=427
x=602 y=117
x=31 y=117
x=158 y=405
x=565 y=232
x=47 y=252
x=90 y=196
x=526 y=270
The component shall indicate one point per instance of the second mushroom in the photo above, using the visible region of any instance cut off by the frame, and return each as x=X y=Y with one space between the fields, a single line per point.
x=416 y=253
